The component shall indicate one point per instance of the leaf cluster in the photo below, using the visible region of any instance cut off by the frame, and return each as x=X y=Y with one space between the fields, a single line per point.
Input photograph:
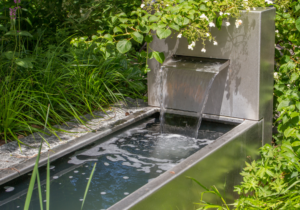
x=271 y=182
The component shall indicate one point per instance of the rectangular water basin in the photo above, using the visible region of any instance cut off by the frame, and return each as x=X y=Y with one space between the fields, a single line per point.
x=126 y=161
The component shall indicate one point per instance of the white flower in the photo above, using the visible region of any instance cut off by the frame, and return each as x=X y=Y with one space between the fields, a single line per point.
x=289 y=85
x=142 y=5
x=203 y=16
x=167 y=5
x=207 y=34
x=227 y=23
x=227 y=13
x=215 y=43
x=221 y=13
x=211 y=24
x=275 y=75
x=191 y=46
x=179 y=36
x=203 y=50
x=276 y=31
x=238 y=23
x=254 y=8
x=269 y=1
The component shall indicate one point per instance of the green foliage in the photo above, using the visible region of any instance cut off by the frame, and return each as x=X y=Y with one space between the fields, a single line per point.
x=191 y=19
x=287 y=81
x=273 y=181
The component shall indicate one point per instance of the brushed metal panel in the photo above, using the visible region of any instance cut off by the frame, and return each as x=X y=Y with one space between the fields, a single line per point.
x=219 y=164
x=241 y=93
x=267 y=54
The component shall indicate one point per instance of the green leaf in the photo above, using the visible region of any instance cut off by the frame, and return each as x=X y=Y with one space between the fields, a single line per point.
x=288 y=132
x=25 y=33
x=298 y=24
x=153 y=18
x=123 y=20
x=118 y=29
x=114 y=19
x=94 y=37
x=296 y=144
x=124 y=46
x=144 y=29
x=297 y=7
x=159 y=56
x=283 y=104
x=26 y=62
x=108 y=37
x=9 y=55
x=219 y=22
x=203 y=7
x=294 y=76
x=174 y=26
x=186 y=21
x=163 y=33
x=12 y=33
x=137 y=37
x=148 y=38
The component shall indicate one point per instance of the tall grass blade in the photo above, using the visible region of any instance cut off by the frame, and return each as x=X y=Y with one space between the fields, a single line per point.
x=46 y=121
x=48 y=185
x=88 y=185
x=32 y=180
x=39 y=190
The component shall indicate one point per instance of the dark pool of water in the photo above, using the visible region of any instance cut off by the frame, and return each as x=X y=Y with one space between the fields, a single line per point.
x=125 y=161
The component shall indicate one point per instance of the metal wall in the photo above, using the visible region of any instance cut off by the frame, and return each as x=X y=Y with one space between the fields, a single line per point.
x=219 y=164
x=247 y=91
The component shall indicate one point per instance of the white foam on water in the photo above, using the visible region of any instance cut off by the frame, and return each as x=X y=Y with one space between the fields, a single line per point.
x=125 y=177
x=116 y=158
x=167 y=150
x=70 y=177
x=83 y=173
x=106 y=164
x=135 y=165
x=81 y=199
x=9 y=189
x=128 y=145
x=158 y=171
x=55 y=177
x=76 y=172
x=52 y=167
x=87 y=178
x=103 y=193
x=126 y=193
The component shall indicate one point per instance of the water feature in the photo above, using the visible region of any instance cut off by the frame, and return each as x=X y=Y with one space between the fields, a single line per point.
x=125 y=160
x=177 y=75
